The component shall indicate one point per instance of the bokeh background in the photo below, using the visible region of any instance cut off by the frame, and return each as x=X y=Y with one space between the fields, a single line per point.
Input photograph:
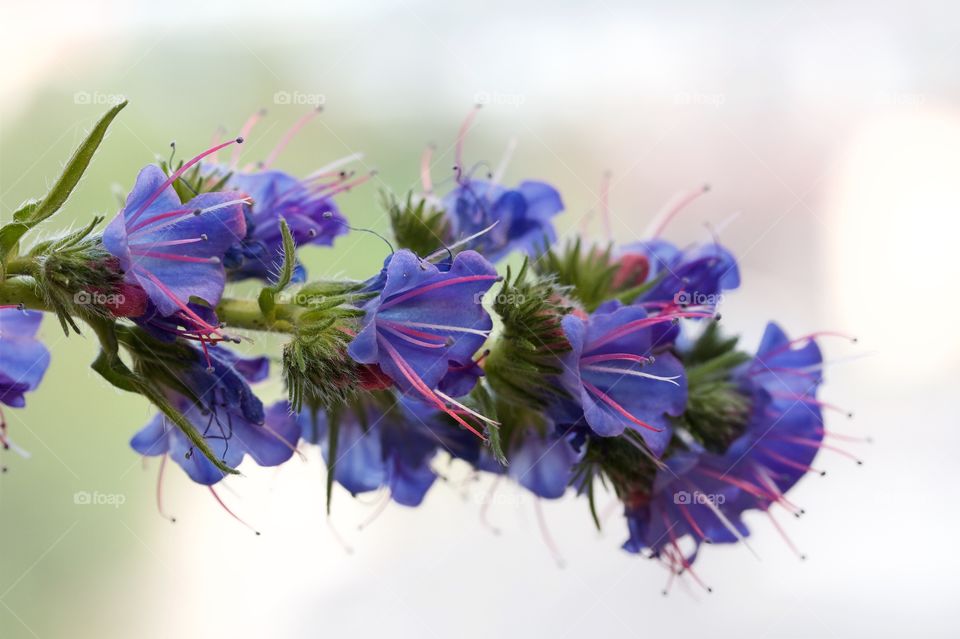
x=830 y=133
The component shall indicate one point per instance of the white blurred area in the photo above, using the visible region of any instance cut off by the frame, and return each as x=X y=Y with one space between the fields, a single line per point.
x=832 y=130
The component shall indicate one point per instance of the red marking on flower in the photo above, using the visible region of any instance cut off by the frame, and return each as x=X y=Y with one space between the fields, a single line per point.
x=373 y=378
x=127 y=300
x=633 y=271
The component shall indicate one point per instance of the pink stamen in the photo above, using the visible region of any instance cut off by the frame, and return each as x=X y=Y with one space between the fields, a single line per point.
x=676 y=547
x=405 y=328
x=160 y=216
x=346 y=186
x=617 y=407
x=407 y=338
x=288 y=136
x=192 y=240
x=547 y=537
x=812 y=443
x=424 y=390
x=690 y=520
x=425 y=169
x=160 y=473
x=466 y=279
x=230 y=512
x=792 y=464
x=813 y=401
x=845 y=438
x=594 y=359
x=783 y=534
x=382 y=506
x=684 y=201
x=636 y=325
x=176 y=175
x=605 y=205
x=176 y=300
x=805 y=338
x=756 y=491
x=485 y=506
x=461 y=137
x=244 y=132
x=176 y=258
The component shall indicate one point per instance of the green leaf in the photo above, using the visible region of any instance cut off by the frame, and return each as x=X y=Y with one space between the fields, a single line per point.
x=289 y=258
x=267 y=298
x=34 y=212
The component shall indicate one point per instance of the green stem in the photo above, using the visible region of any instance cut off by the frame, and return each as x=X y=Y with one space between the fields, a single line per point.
x=22 y=266
x=246 y=313
x=24 y=291
x=238 y=313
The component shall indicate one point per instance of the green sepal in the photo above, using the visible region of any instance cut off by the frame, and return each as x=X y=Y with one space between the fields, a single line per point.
x=416 y=227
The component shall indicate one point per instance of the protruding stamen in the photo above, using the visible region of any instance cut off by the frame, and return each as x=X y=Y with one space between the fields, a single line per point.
x=245 y=132
x=230 y=512
x=289 y=135
x=547 y=537
x=605 y=204
x=160 y=473
x=403 y=297
x=501 y=169
x=176 y=175
x=425 y=179
x=667 y=214
x=461 y=137
x=485 y=506
x=617 y=407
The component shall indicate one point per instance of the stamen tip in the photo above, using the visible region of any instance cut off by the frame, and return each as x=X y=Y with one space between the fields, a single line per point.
x=239 y=140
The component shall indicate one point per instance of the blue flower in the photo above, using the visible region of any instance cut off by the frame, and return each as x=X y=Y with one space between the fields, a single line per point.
x=703 y=495
x=522 y=216
x=685 y=502
x=308 y=209
x=172 y=250
x=695 y=276
x=544 y=463
x=617 y=373
x=426 y=319
x=375 y=449
x=786 y=428
x=226 y=412
x=23 y=358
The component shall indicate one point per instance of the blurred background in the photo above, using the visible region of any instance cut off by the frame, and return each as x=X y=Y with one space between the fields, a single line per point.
x=830 y=133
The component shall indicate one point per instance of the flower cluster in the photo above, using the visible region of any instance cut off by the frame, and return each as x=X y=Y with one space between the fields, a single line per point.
x=587 y=368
